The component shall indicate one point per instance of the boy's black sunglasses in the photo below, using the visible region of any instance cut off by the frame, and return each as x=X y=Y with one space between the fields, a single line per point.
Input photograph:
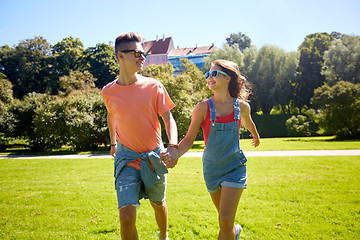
x=138 y=53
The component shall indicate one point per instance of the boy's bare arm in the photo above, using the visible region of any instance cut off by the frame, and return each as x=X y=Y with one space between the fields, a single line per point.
x=172 y=133
x=112 y=131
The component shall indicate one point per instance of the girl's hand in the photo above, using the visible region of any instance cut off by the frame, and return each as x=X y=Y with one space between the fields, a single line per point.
x=255 y=141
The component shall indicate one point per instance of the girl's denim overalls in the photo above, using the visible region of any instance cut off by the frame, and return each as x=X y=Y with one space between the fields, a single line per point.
x=224 y=163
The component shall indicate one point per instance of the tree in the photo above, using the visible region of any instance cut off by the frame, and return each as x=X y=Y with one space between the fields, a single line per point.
x=342 y=60
x=6 y=97
x=67 y=54
x=267 y=74
x=231 y=53
x=27 y=65
x=66 y=57
x=6 y=92
x=284 y=82
x=101 y=63
x=76 y=81
x=339 y=108
x=310 y=64
x=240 y=39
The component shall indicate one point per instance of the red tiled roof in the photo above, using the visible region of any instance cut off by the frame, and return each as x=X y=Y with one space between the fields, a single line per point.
x=191 y=51
x=162 y=46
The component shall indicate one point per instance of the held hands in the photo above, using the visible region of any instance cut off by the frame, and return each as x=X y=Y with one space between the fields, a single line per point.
x=169 y=156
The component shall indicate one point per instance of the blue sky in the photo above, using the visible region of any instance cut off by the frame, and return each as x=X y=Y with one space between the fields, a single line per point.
x=190 y=22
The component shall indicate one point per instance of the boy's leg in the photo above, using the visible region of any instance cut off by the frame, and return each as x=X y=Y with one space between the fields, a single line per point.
x=161 y=216
x=127 y=222
x=156 y=194
x=128 y=185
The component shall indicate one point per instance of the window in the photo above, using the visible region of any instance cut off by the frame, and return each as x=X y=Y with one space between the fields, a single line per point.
x=157 y=59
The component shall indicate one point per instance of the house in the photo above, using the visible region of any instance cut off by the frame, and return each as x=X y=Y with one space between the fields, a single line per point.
x=161 y=51
x=195 y=55
x=158 y=50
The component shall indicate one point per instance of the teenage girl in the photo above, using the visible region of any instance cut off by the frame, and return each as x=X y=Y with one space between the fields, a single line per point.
x=224 y=163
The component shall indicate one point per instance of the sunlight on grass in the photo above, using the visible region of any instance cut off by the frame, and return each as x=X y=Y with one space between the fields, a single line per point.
x=287 y=198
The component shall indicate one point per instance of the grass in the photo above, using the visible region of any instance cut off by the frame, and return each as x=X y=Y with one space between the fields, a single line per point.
x=267 y=144
x=287 y=198
x=294 y=143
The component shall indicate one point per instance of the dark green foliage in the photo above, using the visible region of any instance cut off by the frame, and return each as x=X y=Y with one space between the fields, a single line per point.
x=101 y=63
x=338 y=108
x=301 y=125
x=310 y=64
x=47 y=122
x=27 y=65
x=240 y=39
x=270 y=125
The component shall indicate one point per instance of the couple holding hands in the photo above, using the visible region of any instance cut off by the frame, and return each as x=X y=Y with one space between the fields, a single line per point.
x=141 y=162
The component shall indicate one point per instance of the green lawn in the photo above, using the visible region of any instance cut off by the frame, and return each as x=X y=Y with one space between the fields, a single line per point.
x=267 y=144
x=303 y=143
x=287 y=198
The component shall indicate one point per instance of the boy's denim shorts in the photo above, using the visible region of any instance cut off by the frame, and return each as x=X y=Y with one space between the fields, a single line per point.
x=130 y=188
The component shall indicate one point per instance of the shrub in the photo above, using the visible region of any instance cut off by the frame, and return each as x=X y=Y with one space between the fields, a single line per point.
x=76 y=120
x=301 y=125
x=338 y=108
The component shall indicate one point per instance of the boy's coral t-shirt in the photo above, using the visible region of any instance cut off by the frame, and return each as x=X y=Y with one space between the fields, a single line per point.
x=136 y=108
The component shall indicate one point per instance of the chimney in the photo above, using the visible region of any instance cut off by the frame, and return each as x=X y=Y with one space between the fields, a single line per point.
x=157 y=38
x=163 y=37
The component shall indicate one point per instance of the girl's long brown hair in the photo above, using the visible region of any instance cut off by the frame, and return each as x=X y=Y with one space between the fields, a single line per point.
x=238 y=86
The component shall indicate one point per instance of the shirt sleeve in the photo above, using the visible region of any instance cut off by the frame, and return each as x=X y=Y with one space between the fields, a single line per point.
x=106 y=101
x=164 y=101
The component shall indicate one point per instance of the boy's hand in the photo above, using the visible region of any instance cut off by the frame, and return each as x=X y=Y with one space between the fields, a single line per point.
x=113 y=150
x=169 y=156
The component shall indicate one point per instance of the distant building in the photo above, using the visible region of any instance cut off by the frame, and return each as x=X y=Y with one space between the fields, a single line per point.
x=158 y=50
x=195 y=55
x=161 y=51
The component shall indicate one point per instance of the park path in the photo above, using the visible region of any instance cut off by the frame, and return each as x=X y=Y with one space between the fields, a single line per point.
x=351 y=152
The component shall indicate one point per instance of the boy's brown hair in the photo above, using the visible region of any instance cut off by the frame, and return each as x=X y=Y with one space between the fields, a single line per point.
x=122 y=41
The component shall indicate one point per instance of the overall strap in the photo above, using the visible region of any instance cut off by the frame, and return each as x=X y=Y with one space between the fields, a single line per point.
x=236 y=109
x=212 y=110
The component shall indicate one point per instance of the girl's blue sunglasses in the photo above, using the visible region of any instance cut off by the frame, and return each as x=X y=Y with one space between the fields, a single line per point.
x=215 y=74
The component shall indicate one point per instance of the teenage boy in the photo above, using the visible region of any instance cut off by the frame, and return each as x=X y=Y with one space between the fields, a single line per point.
x=133 y=103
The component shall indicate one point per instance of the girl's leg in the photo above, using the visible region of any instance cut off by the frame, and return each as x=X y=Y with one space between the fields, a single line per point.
x=226 y=201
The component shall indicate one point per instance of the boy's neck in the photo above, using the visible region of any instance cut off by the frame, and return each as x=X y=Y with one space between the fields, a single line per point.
x=125 y=79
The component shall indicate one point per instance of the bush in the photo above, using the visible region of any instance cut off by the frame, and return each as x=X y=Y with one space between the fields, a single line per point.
x=338 y=108
x=49 y=122
x=270 y=125
x=77 y=121
x=301 y=125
